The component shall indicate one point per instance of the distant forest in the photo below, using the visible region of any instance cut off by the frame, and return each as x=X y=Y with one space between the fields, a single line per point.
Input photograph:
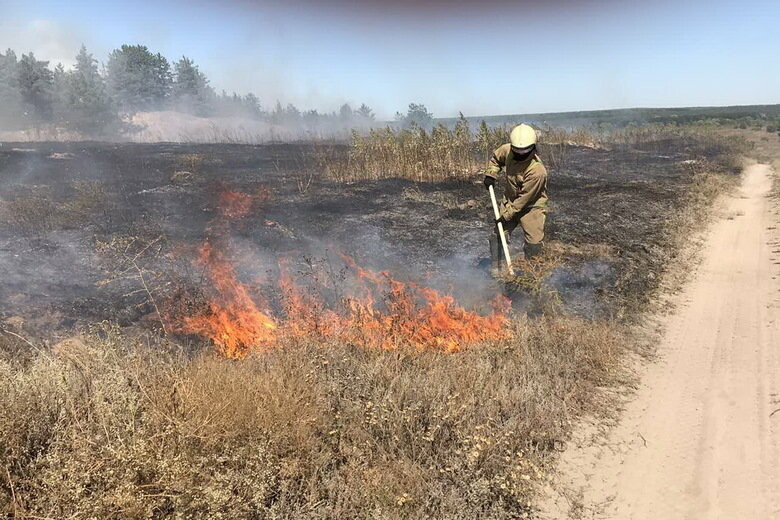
x=94 y=101
x=90 y=99
x=743 y=116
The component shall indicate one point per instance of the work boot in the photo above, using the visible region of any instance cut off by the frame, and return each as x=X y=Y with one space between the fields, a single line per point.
x=533 y=250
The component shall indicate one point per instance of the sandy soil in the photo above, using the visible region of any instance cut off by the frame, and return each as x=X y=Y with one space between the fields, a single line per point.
x=701 y=438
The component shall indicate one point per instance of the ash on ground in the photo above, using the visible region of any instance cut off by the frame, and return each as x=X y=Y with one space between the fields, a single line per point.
x=65 y=205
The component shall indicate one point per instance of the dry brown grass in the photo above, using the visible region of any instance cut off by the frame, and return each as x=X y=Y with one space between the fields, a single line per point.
x=458 y=152
x=530 y=278
x=35 y=211
x=191 y=162
x=117 y=427
x=413 y=153
x=32 y=212
x=114 y=426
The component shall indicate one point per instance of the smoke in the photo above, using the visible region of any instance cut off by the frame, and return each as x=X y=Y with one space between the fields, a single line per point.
x=577 y=287
x=49 y=40
x=143 y=97
x=44 y=270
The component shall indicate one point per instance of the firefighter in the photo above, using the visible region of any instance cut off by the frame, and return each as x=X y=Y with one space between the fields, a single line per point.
x=525 y=198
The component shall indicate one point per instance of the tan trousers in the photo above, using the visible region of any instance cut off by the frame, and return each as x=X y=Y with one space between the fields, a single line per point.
x=531 y=221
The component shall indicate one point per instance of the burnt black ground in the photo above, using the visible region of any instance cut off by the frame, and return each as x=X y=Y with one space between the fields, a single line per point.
x=619 y=201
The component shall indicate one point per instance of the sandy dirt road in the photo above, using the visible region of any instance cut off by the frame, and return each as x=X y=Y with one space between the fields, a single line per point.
x=701 y=438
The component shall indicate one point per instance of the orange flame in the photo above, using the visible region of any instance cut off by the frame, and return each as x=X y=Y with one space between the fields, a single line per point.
x=234 y=204
x=380 y=312
x=234 y=323
x=408 y=316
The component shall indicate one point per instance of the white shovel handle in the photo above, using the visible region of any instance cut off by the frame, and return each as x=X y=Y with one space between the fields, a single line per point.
x=504 y=245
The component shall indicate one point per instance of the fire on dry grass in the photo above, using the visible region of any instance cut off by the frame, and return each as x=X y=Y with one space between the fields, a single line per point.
x=233 y=320
x=114 y=426
x=409 y=315
x=378 y=311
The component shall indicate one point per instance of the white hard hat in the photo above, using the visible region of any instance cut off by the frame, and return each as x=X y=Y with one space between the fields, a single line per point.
x=522 y=136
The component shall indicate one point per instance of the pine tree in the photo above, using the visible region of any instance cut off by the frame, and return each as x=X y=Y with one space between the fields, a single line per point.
x=277 y=116
x=365 y=112
x=87 y=107
x=292 y=114
x=418 y=115
x=59 y=93
x=10 y=98
x=191 y=91
x=346 y=113
x=35 y=82
x=252 y=104
x=138 y=79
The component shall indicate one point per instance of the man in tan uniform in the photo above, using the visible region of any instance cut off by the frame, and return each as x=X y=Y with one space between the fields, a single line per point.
x=525 y=198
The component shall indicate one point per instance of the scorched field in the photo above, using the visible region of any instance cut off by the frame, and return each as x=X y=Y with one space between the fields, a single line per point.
x=204 y=330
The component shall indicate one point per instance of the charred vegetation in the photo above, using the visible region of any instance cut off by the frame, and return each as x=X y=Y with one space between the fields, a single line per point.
x=382 y=369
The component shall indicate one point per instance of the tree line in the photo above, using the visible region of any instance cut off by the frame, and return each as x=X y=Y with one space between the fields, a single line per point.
x=91 y=99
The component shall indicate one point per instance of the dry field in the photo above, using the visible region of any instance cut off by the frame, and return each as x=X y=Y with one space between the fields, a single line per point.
x=379 y=371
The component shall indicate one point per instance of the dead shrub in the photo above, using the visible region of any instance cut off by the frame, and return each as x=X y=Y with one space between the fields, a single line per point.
x=149 y=273
x=531 y=277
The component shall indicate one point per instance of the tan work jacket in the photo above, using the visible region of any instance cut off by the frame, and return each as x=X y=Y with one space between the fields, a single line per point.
x=526 y=185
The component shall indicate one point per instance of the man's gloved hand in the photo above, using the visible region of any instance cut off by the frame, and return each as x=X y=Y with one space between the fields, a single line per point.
x=505 y=211
x=500 y=220
x=489 y=181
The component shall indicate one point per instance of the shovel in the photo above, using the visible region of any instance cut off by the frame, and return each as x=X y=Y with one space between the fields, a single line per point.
x=501 y=231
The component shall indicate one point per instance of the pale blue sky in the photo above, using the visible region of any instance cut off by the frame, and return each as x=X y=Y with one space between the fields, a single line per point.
x=488 y=57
